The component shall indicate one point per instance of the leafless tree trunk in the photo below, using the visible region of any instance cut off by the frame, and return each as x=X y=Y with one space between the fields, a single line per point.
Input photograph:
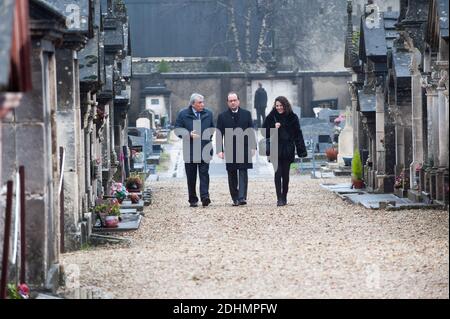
x=234 y=31
x=262 y=38
x=248 y=17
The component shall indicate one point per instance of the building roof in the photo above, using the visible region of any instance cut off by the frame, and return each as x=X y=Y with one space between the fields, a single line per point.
x=367 y=102
x=373 y=38
x=390 y=22
x=443 y=17
x=401 y=61
x=76 y=12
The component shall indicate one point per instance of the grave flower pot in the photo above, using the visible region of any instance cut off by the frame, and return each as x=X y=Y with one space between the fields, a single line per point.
x=347 y=161
x=358 y=184
x=111 y=221
x=331 y=154
x=134 y=198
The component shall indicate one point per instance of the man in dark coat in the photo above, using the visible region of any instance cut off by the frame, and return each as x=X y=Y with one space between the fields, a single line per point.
x=260 y=105
x=195 y=125
x=236 y=142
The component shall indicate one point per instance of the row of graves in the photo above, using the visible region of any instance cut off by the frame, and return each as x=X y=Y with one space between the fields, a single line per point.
x=123 y=209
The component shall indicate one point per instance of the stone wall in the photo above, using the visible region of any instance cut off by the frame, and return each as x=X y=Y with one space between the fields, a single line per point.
x=29 y=139
x=300 y=89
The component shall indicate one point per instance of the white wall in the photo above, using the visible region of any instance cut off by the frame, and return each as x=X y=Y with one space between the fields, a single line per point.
x=159 y=109
x=275 y=88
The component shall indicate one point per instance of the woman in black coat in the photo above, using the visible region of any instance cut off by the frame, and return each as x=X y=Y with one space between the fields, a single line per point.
x=290 y=139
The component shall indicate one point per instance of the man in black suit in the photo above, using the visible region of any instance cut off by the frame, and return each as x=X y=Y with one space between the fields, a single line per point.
x=236 y=142
x=195 y=125
x=260 y=104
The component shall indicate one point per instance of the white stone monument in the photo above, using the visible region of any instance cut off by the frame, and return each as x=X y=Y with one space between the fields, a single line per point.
x=345 y=146
x=143 y=123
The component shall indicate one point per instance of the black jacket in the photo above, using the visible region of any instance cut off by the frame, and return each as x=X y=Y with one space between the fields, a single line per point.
x=185 y=125
x=242 y=119
x=290 y=136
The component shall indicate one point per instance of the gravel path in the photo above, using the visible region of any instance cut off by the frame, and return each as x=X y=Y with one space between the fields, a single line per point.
x=316 y=247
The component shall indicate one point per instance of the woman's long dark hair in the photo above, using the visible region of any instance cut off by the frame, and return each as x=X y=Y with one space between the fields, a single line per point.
x=284 y=101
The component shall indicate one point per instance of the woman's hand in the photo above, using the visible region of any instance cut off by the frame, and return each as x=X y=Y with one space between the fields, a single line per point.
x=277 y=125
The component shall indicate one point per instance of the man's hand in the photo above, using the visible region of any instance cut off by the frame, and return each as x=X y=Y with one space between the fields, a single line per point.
x=221 y=155
x=194 y=135
x=277 y=125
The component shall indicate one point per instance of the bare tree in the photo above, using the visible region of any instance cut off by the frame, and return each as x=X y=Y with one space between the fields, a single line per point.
x=235 y=32
x=256 y=13
x=248 y=45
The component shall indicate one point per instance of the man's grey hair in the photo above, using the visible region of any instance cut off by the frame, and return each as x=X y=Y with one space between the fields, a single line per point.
x=195 y=97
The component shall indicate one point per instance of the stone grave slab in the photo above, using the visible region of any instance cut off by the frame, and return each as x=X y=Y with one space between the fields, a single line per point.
x=126 y=204
x=129 y=222
x=342 y=172
x=372 y=201
x=342 y=188
x=126 y=211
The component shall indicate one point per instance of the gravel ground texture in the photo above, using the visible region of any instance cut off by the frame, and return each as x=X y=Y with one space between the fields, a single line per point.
x=318 y=246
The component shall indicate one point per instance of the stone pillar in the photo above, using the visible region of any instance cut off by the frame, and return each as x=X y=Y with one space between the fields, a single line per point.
x=443 y=128
x=86 y=143
x=430 y=139
x=355 y=116
x=417 y=118
x=379 y=138
x=67 y=114
x=435 y=137
x=435 y=126
x=34 y=149
x=443 y=144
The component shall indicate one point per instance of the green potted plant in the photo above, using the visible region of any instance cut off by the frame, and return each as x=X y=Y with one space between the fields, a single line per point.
x=357 y=171
x=21 y=291
x=108 y=213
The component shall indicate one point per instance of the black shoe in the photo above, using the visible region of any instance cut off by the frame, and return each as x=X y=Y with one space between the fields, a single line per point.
x=193 y=204
x=280 y=203
x=235 y=202
x=242 y=202
x=206 y=202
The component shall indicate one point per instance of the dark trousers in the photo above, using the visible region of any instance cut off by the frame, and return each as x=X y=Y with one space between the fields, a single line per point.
x=238 y=185
x=260 y=116
x=191 y=176
x=282 y=179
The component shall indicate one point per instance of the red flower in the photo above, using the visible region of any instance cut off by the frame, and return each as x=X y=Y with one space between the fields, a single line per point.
x=23 y=290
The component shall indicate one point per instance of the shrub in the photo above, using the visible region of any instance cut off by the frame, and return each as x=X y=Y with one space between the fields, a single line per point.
x=357 y=166
x=163 y=66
